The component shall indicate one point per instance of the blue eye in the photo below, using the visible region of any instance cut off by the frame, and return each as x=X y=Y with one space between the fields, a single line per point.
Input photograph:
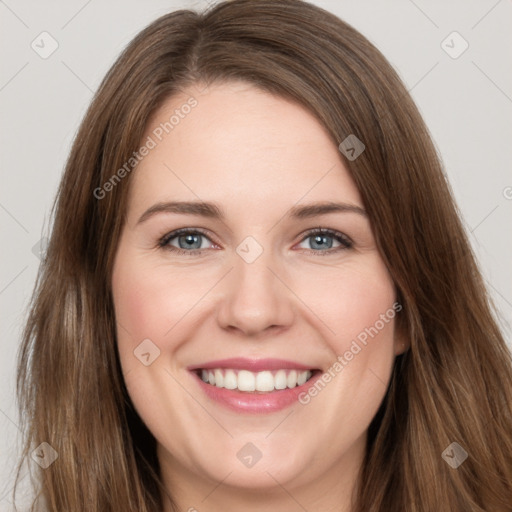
x=192 y=241
x=322 y=241
x=188 y=241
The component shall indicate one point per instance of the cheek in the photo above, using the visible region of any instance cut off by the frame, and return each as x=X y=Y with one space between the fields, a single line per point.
x=357 y=312
x=149 y=302
x=366 y=315
x=353 y=303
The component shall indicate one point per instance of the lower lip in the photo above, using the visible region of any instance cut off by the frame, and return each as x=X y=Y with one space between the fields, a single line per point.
x=256 y=403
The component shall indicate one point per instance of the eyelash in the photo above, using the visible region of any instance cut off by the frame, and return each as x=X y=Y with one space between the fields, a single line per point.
x=344 y=240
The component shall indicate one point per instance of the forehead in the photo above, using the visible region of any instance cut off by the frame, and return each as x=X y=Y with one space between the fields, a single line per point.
x=239 y=145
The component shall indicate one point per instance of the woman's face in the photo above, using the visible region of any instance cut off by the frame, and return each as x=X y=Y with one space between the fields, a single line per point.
x=251 y=296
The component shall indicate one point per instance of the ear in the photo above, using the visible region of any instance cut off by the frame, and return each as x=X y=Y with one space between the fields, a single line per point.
x=401 y=345
x=401 y=339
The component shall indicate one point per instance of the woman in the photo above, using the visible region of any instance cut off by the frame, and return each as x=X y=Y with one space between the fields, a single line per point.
x=258 y=294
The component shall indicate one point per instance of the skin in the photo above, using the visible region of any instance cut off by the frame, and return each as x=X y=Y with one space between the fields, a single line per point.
x=256 y=155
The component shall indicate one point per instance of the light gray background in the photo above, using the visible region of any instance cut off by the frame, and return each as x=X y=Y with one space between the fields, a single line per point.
x=466 y=102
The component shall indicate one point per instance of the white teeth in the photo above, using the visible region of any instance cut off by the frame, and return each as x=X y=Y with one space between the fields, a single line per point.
x=280 y=380
x=219 y=378
x=230 y=380
x=246 y=381
x=265 y=381
x=291 y=381
x=301 y=378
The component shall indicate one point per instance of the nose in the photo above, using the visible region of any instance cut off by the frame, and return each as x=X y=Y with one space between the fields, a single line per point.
x=255 y=299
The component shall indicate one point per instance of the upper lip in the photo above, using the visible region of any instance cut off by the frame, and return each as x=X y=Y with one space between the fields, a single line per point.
x=254 y=365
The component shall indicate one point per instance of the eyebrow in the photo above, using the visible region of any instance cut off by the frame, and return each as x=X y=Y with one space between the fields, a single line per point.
x=213 y=211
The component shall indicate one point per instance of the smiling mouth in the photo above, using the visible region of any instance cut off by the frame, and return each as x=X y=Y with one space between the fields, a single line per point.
x=255 y=382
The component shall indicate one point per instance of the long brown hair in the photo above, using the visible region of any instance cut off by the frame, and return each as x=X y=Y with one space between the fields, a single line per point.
x=454 y=384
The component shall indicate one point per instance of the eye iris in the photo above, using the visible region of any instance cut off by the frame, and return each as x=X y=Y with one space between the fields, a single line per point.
x=319 y=242
x=193 y=241
x=190 y=240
